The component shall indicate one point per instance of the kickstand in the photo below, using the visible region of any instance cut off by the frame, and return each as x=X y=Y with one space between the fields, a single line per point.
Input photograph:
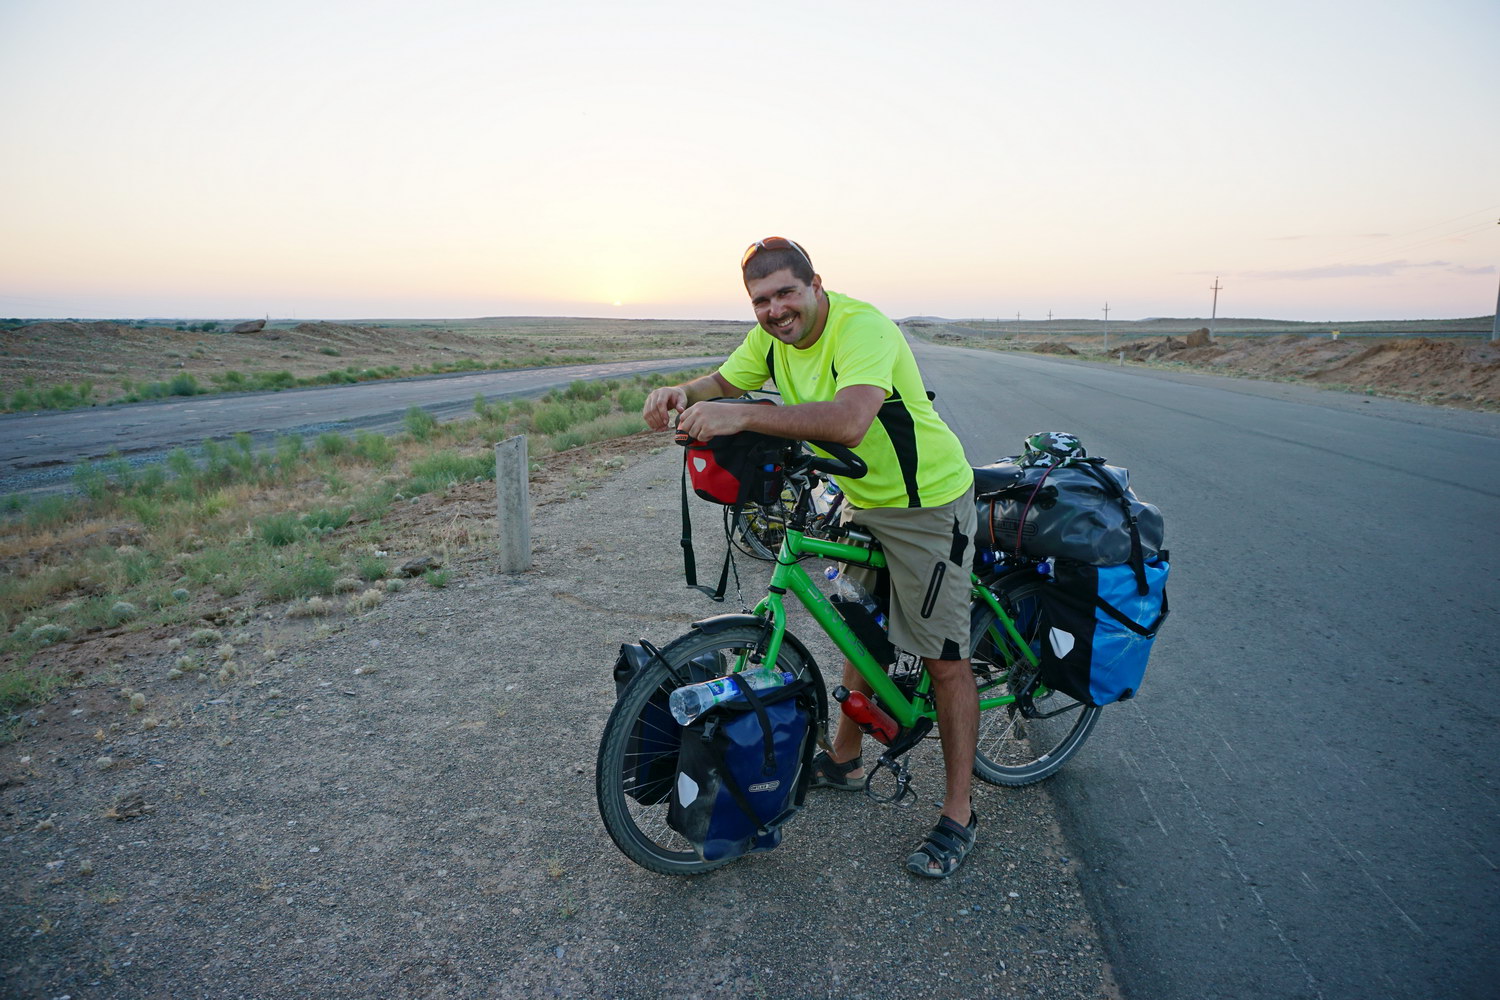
x=903 y=782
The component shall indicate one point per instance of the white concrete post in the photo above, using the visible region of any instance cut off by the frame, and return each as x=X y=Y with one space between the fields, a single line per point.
x=513 y=504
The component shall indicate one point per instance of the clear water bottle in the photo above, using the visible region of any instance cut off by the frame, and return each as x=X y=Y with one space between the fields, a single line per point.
x=687 y=703
x=847 y=591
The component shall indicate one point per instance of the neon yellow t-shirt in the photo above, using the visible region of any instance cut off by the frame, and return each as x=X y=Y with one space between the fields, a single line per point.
x=915 y=460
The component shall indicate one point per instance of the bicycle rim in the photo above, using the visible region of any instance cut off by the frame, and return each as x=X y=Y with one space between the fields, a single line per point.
x=1014 y=750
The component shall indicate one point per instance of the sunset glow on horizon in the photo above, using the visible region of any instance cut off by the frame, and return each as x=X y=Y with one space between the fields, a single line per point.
x=1321 y=160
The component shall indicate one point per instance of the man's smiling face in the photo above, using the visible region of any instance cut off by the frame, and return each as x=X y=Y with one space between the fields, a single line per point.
x=788 y=308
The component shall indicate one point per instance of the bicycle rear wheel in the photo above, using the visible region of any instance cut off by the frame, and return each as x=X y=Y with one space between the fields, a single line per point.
x=758 y=531
x=635 y=773
x=1014 y=750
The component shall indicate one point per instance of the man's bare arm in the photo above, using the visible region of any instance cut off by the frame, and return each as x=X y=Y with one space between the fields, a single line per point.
x=843 y=420
x=669 y=399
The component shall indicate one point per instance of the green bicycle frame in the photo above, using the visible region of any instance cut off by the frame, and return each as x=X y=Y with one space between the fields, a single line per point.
x=790 y=577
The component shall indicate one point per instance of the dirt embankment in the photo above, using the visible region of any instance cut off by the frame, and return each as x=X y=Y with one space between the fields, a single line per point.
x=56 y=353
x=1448 y=372
x=1461 y=373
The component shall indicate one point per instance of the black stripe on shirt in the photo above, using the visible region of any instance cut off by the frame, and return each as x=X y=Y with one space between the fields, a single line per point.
x=899 y=427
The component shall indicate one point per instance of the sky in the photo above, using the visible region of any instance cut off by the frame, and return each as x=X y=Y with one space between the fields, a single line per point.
x=1316 y=159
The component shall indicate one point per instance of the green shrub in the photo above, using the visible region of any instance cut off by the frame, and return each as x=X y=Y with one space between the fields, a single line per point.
x=50 y=511
x=580 y=389
x=323 y=521
x=419 y=423
x=445 y=468
x=565 y=440
x=181 y=465
x=374 y=448
x=631 y=400
x=183 y=385
x=554 y=418
x=302 y=579
x=22 y=687
x=288 y=454
x=91 y=481
x=279 y=529
x=372 y=568
x=332 y=443
x=374 y=505
x=332 y=352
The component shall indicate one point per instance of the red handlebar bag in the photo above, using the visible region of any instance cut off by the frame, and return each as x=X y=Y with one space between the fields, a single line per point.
x=735 y=468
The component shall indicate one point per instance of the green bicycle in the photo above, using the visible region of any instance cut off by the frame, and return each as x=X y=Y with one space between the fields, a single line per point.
x=1026 y=730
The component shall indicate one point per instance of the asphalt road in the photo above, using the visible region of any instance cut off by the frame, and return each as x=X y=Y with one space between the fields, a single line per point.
x=40 y=449
x=1303 y=800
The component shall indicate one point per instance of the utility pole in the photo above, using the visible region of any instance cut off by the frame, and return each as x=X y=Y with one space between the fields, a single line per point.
x=1106 y=328
x=1049 y=315
x=1495 y=330
x=1215 y=314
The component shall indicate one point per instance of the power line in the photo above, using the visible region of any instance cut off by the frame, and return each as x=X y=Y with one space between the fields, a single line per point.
x=1370 y=252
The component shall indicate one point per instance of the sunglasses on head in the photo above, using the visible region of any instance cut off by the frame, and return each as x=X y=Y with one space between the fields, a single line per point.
x=773 y=243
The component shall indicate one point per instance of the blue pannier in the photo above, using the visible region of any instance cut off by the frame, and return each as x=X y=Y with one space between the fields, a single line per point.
x=743 y=771
x=1099 y=627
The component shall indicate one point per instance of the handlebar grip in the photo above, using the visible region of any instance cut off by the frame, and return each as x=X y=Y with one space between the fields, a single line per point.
x=844 y=463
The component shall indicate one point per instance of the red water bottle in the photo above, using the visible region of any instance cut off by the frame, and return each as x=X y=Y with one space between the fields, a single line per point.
x=869 y=716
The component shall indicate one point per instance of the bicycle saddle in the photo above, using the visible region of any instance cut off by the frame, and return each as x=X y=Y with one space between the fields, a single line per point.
x=995 y=477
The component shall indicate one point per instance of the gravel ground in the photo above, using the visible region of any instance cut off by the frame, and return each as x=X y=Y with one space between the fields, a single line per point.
x=403 y=807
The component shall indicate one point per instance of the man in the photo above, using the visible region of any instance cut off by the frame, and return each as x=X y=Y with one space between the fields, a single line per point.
x=847 y=375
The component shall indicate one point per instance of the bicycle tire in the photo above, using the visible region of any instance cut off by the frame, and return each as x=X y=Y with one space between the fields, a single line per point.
x=639 y=828
x=1013 y=750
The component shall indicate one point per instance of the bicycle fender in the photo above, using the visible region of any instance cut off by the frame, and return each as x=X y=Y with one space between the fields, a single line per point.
x=718 y=623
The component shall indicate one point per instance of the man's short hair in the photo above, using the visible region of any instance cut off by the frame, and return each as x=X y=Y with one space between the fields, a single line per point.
x=765 y=262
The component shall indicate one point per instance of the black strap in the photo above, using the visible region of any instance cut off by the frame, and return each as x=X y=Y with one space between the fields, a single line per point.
x=768 y=767
x=1124 y=619
x=689 y=561
x=1112 y=488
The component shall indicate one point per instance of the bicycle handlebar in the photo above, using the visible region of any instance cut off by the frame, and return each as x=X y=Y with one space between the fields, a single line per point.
x=843 y=463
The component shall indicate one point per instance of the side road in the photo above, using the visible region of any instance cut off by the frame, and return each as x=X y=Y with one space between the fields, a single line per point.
x=405 y=808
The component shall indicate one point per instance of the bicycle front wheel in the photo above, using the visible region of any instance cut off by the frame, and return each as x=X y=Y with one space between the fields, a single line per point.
x=635 y=774
x=1014 y=750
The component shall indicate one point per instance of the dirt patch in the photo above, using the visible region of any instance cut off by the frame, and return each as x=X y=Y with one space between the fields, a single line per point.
x=400 y=804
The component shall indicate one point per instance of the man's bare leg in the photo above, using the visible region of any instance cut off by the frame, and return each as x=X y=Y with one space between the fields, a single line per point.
x=958 y=718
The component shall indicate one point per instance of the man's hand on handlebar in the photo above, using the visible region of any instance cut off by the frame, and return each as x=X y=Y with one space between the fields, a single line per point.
x=661 y=404
x=703 y=421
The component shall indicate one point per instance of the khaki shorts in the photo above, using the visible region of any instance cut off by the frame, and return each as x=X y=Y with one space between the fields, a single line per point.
x=927 y=550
